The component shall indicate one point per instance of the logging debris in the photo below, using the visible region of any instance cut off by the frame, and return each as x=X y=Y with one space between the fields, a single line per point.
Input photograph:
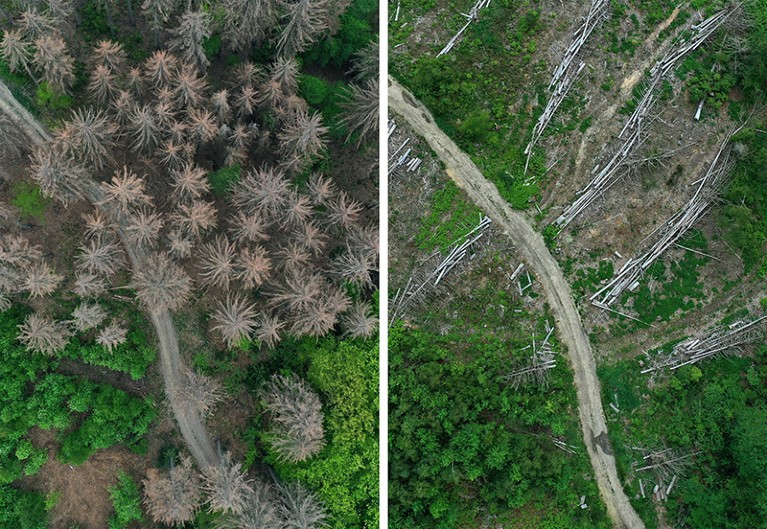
x=542 y=360
x=565 y=74
x=418 y=288
x=670 y=232
x=471 y=16
x=711 y=343
x=632 y=135
x=397 y=160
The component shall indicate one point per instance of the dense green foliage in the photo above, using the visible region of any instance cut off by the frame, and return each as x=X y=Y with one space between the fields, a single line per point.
x=94 y=24
x=222 y=180
x=464 y=442
x=126 y=500
x=21 y=510
x=709 y=77
x=18 y=369
x=457 y=427
x=345 y=473
x=359 y=26
x=112 y=416
x=88 y=416
x=745 y=211
x=313 y=89
x=755 y=60
x=326 y=97
x=715 y=409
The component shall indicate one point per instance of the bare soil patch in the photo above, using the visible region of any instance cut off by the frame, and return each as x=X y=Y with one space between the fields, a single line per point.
x=83 y=490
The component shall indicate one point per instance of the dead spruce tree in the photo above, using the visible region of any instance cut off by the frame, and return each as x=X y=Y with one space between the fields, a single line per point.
x=158 y=13
x=112 y=336
x=361 y=110
x=300 y=508
x=36 y=24
x=247 y=21
x=235 y=319
x=163 y=285
x=226 y=487
x=41 y=334
x=87 y=316
x=88 y=137
x=198 y=393
x=23 y=270
x=57 y=174
x=296 y=416
x=360 y=321
x=40 y=280
x=16 y=51
x=102 y=85
x=53 y=62
x=365 y=63
x=260 y=510
x=109 y=54
x=193 y=29
x=173 y=497
x=302 y=137
x=304 y=21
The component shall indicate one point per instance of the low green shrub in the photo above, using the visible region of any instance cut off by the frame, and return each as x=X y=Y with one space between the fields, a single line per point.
x=126 y=500
x=30 y=200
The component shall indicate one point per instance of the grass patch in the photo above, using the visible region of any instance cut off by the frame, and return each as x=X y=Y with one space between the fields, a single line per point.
x=620 y=383
x=450 y=216
x=679 y=289
x=588 y=279
x=30 y=201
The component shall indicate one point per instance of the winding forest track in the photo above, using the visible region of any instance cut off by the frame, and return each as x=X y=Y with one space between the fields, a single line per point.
x=192 y=425
x=533 y=250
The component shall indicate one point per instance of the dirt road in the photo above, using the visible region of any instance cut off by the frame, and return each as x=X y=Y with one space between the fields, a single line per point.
x=533 y=250
x=191 y=424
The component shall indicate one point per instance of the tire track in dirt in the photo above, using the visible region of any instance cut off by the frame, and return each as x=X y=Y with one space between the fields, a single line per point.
x=533 y=250
x=192 y=426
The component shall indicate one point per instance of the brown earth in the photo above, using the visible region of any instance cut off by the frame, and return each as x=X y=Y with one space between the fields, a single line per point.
x=83 y=490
